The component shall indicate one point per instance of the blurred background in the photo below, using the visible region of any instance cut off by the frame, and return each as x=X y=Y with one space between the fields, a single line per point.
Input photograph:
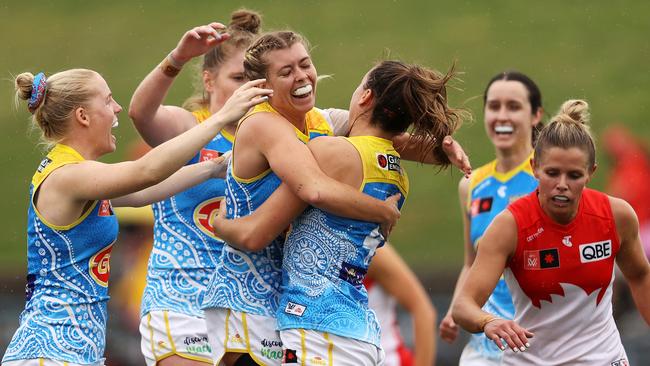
x=596 y=50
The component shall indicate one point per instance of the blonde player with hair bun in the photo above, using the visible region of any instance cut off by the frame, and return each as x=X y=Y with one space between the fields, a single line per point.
x=557 y=248
x=71 y=225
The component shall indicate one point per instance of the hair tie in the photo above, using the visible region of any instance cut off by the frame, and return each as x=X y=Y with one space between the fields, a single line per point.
x=38 y=92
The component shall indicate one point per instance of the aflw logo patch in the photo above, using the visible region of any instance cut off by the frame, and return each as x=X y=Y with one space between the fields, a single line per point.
x=202 y=214
x=541 y=259
x=100 y=266
x=44 y=163
x=389 y=162
x=295 y=309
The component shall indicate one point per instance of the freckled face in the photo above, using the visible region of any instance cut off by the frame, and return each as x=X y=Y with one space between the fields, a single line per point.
x=292 y=76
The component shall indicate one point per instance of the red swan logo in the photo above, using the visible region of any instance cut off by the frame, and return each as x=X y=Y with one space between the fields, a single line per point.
x=203 y=212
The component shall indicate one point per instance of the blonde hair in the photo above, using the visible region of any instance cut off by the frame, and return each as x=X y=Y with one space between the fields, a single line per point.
x=568 y=128
x=243 y=28
x=255 y=64
x=64 y=92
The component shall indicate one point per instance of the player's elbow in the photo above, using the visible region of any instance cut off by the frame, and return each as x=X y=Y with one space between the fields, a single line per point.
x=311 y=195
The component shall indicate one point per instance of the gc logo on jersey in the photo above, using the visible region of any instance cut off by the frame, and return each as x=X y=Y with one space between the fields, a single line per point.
x=592 y=252
x=202 y=214
x=100 y=267
x=389 y=162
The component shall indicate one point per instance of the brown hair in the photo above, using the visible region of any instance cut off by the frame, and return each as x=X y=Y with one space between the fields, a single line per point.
x=255 y=64
x=534 y=94
x=64 y=92
x=411 y=95
x=243 y=28
x=568 y=128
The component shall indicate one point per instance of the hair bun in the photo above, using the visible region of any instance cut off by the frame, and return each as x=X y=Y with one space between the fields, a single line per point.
x=246 y=20
x=24 y=85
x=574 y=110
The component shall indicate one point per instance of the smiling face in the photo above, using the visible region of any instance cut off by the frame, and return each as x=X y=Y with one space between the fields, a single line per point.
x=222 y=83
x=509 y=118
x=292 y=76
x=101 y=112
x=563 y=175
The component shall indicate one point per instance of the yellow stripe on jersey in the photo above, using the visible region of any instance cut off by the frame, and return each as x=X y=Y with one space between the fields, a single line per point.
x=201 y=114
x=490 y=170
x=59 y=156
x=315 y=122
x=381 y=163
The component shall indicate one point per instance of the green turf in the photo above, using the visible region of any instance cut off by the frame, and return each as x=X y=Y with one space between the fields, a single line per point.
x=586 y=49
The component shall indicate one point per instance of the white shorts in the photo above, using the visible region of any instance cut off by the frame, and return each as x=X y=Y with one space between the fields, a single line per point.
x=238 y=332
x=166 y=333
x=471 y=357
x=47 y=362
x=313 y=348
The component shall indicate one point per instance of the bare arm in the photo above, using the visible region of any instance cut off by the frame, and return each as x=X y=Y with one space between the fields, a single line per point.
x=292 y=161
x=257 y=230
x=390 y=271
x=188 y=176
x=107 y=181
x=448 y=328
x=495 y=247
x=631 y=258
x=156 y=122
x=411 y=149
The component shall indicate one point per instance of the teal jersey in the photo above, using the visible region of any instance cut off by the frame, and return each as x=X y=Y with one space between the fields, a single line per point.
x=185 y=249
x=490 y=192
x=250 y=281
x=326 y=256
x=67 y=279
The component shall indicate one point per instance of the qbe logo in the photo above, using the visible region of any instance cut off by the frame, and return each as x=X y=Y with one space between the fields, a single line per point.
x=597 y=251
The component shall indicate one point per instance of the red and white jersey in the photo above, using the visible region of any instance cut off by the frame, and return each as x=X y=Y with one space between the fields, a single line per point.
x=385 y=307
x=561 y=280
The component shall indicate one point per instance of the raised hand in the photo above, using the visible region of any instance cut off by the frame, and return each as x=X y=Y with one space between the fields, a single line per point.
x=245 y=97
x=197 y=41
x=457 y=155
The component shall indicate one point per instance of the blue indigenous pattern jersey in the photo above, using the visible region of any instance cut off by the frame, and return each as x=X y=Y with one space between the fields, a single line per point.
x=250 y=281
x=67 y=279
x=490 y=192
x=185 y=249
x=326 y=256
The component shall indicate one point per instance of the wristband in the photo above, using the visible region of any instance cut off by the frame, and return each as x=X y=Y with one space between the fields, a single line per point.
x=170 y=67
x=487 y=319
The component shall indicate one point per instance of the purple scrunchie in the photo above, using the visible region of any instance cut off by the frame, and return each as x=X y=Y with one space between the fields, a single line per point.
x=38 y=92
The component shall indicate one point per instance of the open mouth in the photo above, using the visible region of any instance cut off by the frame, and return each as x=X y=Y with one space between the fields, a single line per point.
x=503 y=129
x=560 y=199
x=303 y=91
x=115 y=123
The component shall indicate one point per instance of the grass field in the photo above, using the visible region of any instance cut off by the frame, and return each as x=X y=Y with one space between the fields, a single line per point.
x=586 y=49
